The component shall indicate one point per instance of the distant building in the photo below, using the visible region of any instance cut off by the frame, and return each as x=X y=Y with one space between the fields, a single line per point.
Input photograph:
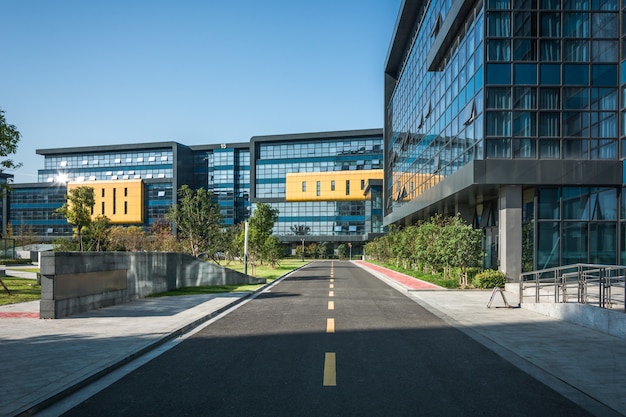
x=508 y=112
x=317 y=181
x=136 y=184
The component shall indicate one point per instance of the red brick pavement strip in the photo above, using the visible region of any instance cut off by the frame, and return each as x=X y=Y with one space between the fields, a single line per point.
x=19 y=315
x=407 y=281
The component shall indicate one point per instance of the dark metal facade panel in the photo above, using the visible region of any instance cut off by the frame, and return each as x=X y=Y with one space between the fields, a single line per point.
x=481 y=180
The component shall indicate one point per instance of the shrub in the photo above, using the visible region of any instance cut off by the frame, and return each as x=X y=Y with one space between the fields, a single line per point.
x=489 y=279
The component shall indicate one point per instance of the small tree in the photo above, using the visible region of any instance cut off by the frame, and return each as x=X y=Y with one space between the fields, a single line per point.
x=300 y=229
x=197 y=219
x=231 y=245
x=260 y=227
x=161 y=238
x=9 y=138
x=131 y=238
x=342 y=251
x=274 y=251
x=77 y=210
x=98 y=232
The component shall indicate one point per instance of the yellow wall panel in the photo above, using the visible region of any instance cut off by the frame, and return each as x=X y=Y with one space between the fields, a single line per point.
x=329 y=186
x=121 y=201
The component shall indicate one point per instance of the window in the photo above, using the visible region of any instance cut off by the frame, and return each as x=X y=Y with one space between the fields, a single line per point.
x=103 y=208
x=498 y=74
x=125 y=192
x=125 y=207
x=362 y=184
x=317 y=189
x=304 y=186
x=347 y=187
x=332 y=185
x=103 y=192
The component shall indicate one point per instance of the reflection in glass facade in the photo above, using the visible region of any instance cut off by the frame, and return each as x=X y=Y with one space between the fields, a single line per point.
x=330 y=220
x=108 y=165
x=514 y=105
x=162 y=167
x=224 y=170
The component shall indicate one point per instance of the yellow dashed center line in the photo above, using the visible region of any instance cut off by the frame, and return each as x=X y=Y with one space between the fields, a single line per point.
x=331 y=305
x=330 y=369
x=330 y=325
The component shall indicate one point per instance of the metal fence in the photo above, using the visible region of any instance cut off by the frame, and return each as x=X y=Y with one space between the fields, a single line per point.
x=599 y=285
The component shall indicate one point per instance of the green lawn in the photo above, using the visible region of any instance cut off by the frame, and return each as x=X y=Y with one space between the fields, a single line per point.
x=264 y=271
x=21 y=290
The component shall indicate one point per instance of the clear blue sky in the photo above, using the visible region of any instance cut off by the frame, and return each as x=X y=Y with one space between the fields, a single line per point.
x=82 y=72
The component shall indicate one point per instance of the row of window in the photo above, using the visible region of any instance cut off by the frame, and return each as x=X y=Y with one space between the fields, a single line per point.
x=551 y=98
x=108 y=159
x=595 y=75
x=318 y=186
x=549 y=24
x=325 y=147
x=63 y=177
x=553 y=4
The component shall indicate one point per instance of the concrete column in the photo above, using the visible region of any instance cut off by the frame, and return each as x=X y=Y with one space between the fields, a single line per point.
x=510 y=231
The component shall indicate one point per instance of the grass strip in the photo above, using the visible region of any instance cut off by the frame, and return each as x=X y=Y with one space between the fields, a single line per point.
x=22 y=290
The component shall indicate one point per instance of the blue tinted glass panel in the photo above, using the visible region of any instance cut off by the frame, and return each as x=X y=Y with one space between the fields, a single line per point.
x=550 y=74
x=548 y=244
x=603 y=243
x=548 y=203
x=574 y=243
x=526 y=74
x=575 y=74
x=498 y=74
x=604 y=75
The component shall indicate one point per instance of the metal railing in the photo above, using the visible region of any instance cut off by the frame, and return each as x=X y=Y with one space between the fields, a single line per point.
x=599 y=285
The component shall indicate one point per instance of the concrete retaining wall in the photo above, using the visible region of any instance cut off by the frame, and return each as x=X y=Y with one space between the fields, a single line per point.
x=75 y=282
x=601 y=319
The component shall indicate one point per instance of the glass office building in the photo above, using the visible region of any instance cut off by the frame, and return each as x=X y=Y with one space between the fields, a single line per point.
x=160 y=168
x=224 y=170
x=330 y=172
x=508 y=112
x=136 y=184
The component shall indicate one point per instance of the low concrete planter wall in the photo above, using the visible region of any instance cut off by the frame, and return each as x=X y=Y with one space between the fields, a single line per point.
x=603 y=320
x=75 y=282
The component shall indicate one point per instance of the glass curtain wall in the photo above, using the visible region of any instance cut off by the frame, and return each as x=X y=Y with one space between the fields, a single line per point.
x=437 y=116
x=558 y=60
x=324 y=218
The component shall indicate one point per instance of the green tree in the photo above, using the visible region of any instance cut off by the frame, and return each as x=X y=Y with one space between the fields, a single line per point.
x=300 y=229
x=197 y=219
x=260 y=227
x=274 y=251
x=232 y=245
x=342 y=251
x=161 y=238
x=130 y=238
x=98 y=232
x=77 y=210
x=9 y=138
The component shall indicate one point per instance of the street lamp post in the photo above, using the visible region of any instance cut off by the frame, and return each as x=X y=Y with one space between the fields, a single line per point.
x=302 y=250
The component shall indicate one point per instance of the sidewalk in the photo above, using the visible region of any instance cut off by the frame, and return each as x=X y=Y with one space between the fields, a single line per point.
x=42 y=359
x=587 y=366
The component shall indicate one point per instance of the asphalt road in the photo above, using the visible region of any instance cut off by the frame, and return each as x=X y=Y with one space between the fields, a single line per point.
x=330 y=340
